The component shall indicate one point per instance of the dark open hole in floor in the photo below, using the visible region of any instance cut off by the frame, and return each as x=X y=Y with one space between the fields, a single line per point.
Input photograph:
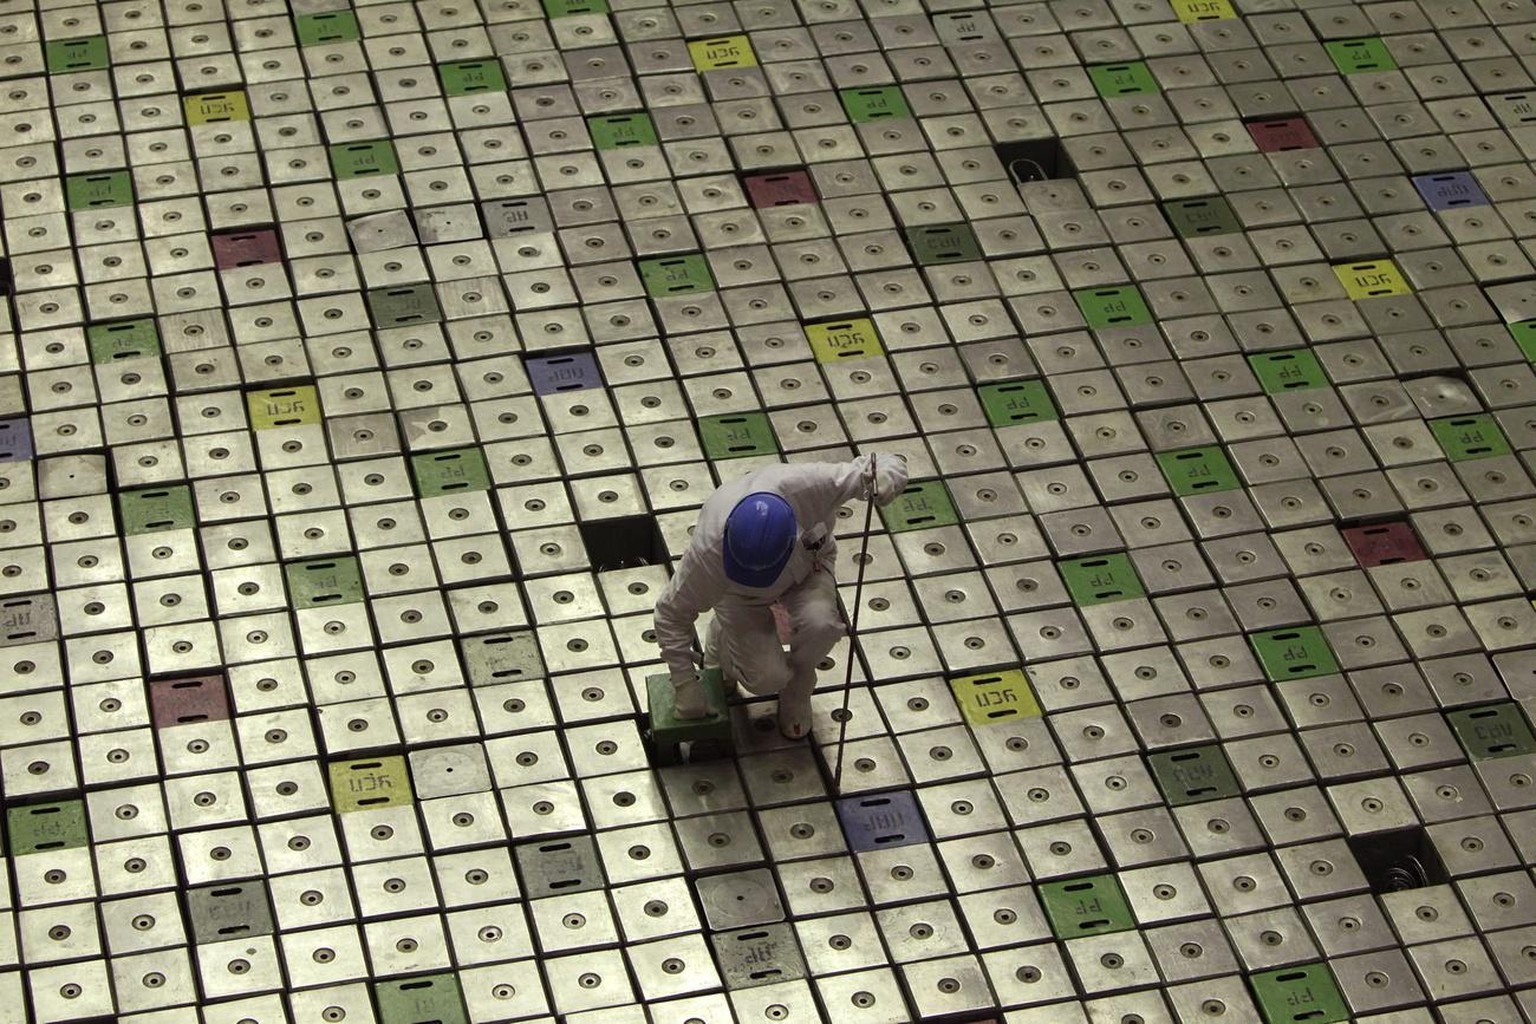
x=624 y=543
x=1398 y=860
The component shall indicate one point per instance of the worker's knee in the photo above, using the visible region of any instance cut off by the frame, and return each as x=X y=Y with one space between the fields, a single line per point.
x=766 y=674
x=819 y=635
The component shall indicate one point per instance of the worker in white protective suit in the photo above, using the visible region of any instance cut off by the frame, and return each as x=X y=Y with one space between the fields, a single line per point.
x=762 y=540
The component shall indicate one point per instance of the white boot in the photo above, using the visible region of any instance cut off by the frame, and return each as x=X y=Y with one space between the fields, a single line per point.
x=795 y=704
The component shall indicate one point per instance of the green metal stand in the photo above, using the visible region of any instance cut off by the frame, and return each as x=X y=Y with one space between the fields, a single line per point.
x=705 y=738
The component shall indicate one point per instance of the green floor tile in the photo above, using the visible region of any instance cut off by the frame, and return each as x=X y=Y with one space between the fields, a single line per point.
x=327 y=28
x=1100 y=579
x=1524 y=334
x=364 y=159
x=473 y=76
x=1355 y=56
x=101 y=191
x=122 y=339
x=1115 y=80
x=1106 y=308
x=882 y=103
x=1193 y=775
x=153 y=509
x=1297 y=653
x=925 y=504
x=1191 y=471
x=615 y=131
x=45 y=828
x=1469 y=437
x=405 y=306
x=1493 y=730
x=68 y=56
x=1197 y=218
x=430 y=999
x=736 y=436
x=324 y=582
x=943 y=243
x=567 y=8
x=1017 y=401
x=450 y=472
x=1291 y=370
x=1077 y=907
x=666 y=276
x=1305 y=994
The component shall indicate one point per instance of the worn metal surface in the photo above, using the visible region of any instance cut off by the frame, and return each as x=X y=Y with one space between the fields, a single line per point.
x=361 y=370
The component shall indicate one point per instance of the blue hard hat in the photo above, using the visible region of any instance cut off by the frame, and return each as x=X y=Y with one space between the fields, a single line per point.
x=759 y=538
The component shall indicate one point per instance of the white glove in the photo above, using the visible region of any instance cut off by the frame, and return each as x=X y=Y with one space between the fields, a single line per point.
x=688 y=697
x=890 y=478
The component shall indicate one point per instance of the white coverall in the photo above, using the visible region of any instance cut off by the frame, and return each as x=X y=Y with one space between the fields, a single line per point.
x=744 y=636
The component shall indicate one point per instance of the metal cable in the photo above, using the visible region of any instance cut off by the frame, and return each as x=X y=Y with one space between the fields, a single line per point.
x=853 y=624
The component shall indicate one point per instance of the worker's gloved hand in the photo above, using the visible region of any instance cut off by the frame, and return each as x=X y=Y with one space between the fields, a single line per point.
x=688 y=697
x=890 y=479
